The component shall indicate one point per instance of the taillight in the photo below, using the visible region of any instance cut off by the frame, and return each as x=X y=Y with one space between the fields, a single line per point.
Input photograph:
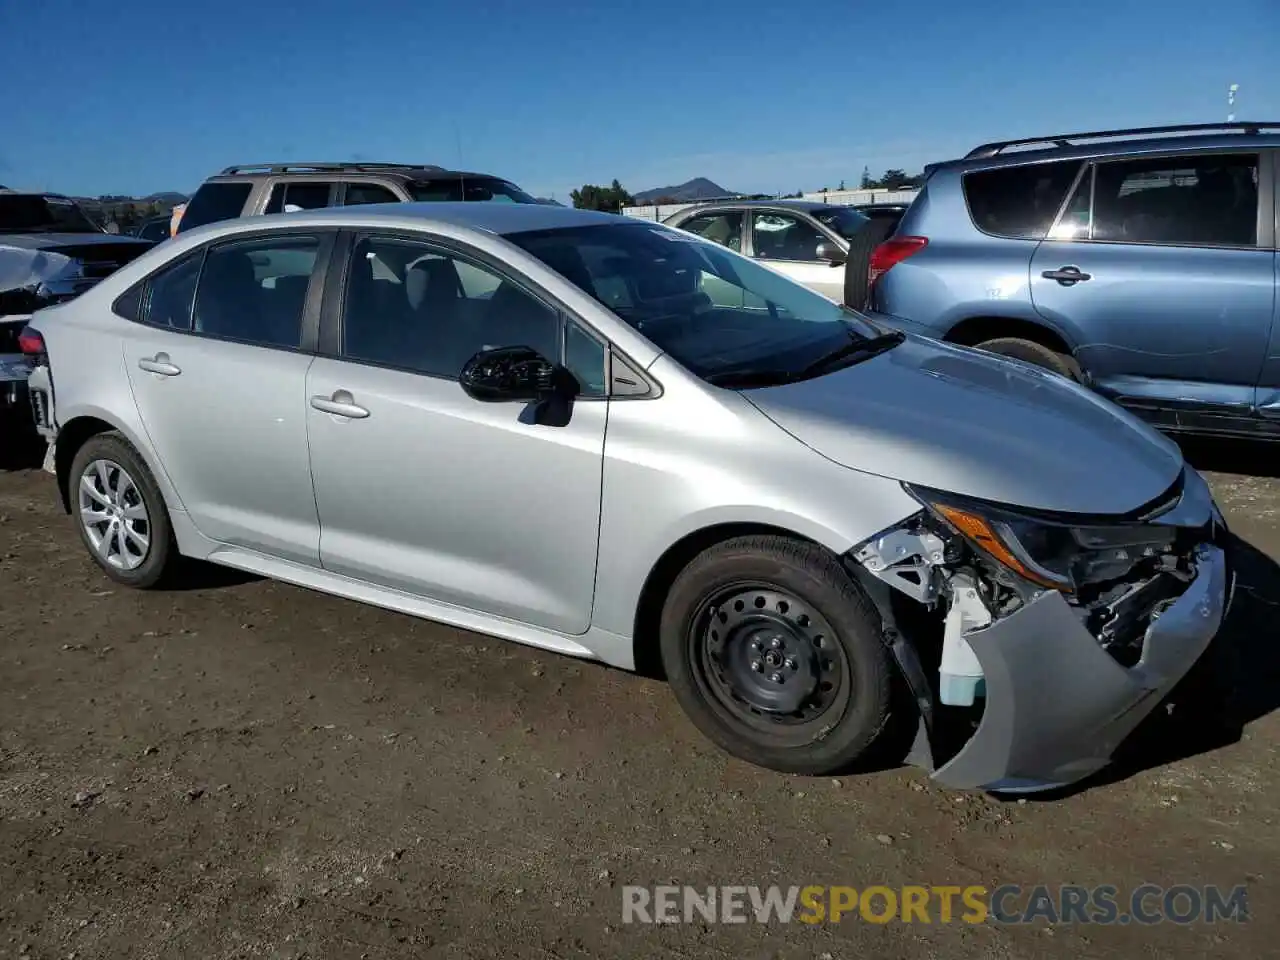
x=30 y=342
x=892 y=252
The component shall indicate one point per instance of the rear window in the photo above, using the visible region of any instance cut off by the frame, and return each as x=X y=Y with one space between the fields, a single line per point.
x=1019 y=202
x=474 y=189
x=214 y=202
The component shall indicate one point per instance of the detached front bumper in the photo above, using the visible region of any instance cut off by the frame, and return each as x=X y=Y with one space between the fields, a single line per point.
x=1057 y=704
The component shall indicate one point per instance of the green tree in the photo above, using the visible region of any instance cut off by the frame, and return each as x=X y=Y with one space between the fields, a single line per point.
x=610 y=199
x=866 y=183
x=895 y=179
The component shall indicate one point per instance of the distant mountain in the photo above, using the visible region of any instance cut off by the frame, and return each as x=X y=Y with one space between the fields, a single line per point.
x=165 y=197
x=699 y=188
x=549 y=202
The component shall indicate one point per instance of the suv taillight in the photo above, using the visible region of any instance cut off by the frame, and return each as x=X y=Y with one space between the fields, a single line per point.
x=892 y=252
x=30 y=342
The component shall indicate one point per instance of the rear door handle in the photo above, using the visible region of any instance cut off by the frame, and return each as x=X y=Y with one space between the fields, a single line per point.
x=159 y=364
x=1067 y=275
x=341 y=404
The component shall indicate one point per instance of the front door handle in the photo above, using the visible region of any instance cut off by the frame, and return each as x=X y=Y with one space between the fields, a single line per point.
x=1067 y=275
x=159 y=364
x=341 y=404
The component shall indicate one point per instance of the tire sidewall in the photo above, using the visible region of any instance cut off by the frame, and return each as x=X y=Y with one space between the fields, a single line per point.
x=113 y=446
x=845 y=609
x=1028 y=351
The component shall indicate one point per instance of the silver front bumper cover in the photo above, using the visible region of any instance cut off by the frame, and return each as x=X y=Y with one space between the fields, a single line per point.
x=1057 y=704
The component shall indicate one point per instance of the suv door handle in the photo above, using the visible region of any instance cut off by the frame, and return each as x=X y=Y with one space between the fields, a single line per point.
x=341 y=404
x=159 y=364
x=1067 y=275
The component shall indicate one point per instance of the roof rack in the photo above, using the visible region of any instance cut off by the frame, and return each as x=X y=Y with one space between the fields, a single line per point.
x=1065 y=139
x=324 y=167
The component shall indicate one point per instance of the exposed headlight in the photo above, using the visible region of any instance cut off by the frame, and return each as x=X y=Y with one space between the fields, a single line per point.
x=1054 y=554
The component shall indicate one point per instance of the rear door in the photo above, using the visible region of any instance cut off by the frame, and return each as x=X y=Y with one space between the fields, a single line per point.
x=1164 y=269
x=217 y=361
x=788 y=242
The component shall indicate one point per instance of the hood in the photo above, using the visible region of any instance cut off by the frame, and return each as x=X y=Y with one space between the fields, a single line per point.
x=970 y=423
x=55 y=241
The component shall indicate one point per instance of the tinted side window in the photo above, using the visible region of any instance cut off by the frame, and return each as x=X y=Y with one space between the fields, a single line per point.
x=214 y=202
x=306 y=195
x=255 y=290
x=358 y=193
x=170 y=294
x=1200 y=199
x=782 y=236
x=420 y=308
x=722 y=228
x=1019 y=202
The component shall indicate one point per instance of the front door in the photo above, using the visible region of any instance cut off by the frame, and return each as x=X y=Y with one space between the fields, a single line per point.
x=220 y=384
x=1162 y=275
x=422 y=489
x=788 y=243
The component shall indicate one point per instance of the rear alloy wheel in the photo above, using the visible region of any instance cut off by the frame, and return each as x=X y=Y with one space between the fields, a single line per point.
x=1036 y=354
x=121 y=515
x=776 y=655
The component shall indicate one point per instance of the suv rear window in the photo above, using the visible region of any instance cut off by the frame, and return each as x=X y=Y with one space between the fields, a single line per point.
x=1019 y=202
x=481 y=189
x=214 y=202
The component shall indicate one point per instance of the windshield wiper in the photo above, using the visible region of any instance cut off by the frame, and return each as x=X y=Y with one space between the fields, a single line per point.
x=854 y=351
x=742 y=379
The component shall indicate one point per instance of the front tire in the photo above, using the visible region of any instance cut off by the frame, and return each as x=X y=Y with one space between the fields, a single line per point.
x=120 y=512
x=776 y=655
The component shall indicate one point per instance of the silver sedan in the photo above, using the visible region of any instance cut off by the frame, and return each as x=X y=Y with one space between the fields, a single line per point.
x=615 y=440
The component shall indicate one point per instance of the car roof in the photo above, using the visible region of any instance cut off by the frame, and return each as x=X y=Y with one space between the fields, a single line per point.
x=497 y=218
x=806 y=206
x=1103 y=144
x=339 y=171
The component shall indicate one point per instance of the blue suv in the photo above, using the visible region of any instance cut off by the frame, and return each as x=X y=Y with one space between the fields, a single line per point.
x=1141 y=262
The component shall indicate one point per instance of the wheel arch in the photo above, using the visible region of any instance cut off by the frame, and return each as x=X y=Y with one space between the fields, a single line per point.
x=657 y=584
x=78 y=430
x=971 y=331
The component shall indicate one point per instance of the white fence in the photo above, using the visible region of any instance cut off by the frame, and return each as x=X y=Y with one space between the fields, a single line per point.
x=839 y=197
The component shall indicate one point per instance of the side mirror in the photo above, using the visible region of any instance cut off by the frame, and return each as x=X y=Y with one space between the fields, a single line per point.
x=831 y=253
x=509 y=374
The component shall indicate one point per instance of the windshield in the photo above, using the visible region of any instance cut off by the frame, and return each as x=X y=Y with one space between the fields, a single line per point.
x=33 y=213
x=482 y=189
x=722 y=316
x=845 y=221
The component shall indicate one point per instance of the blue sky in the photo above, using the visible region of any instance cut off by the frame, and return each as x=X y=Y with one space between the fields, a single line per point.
x=136 y=96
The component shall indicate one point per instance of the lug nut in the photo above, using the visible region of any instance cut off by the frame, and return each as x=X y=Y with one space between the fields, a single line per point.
x=790 y=663
x=775 y=643
x=755 y=645
x=775 y=677
x=757 y=666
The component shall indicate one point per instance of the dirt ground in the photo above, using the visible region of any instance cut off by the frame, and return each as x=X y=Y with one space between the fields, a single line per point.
x=241 y=768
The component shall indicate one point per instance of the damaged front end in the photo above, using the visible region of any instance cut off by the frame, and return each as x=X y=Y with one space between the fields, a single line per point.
x=1054 y=634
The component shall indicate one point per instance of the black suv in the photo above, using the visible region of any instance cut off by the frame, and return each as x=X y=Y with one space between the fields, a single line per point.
x=251 y=189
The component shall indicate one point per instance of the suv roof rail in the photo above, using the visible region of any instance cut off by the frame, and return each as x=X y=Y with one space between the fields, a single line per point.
x=324 y=166
x=1065 y=139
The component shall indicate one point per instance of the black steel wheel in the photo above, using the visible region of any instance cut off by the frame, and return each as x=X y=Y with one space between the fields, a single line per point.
x=776 y=655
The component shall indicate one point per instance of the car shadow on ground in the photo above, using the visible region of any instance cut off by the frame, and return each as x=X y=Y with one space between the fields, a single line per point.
x=1236 y=682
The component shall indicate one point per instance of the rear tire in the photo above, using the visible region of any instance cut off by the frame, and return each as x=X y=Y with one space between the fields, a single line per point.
x=857 y=269
x=1034 y=353
x=776 y=655
x=120 y=513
